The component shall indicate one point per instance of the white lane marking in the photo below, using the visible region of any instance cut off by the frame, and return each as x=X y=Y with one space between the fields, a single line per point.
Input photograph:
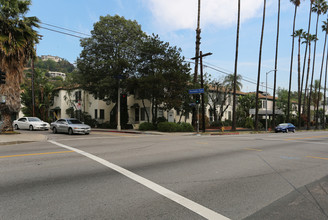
x=90 y=138
x=195 y=207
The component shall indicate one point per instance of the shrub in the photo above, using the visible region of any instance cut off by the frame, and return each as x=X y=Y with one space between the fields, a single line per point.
x=167 y=127
x=217 y=124
x=249 y=123
x=227 y=122
x=174 y=127
x=186 y=127
x=146 y=126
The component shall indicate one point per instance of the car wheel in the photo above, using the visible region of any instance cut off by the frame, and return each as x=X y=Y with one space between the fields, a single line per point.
x=54 y=130
x=70 y=131
x=16 y=127
x=87 y=133
x=31 y=128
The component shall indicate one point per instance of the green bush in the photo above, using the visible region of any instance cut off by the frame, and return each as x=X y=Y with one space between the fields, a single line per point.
x=146 y=126
x=217 y=124
x=227 y=122
x=249 y=123
x=174 y=127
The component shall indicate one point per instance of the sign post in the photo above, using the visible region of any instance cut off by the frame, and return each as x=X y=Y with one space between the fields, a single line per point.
x=197 y=91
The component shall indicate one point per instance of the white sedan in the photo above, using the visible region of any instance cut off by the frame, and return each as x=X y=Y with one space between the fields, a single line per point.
x=31 y=123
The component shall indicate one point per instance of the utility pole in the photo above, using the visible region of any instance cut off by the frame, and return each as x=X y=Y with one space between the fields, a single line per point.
x=198 y=31
x=202 y=83
x=33 y=98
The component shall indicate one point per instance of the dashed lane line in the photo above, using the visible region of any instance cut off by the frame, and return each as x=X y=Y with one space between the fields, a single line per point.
x=191 y=205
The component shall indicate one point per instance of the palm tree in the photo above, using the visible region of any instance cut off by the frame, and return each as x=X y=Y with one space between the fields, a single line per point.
x=320 y=6
x=299 y=33
x=259 y=69
x=17 y=40
x=308 y=39
x=275 y=71
x=296 y=3
x=324 y=29
x=229 y=81
x=235 y=73
x=305 y=54
x=324 y=93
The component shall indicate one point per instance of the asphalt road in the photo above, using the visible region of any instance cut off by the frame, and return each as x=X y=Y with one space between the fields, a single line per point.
x=127 y=176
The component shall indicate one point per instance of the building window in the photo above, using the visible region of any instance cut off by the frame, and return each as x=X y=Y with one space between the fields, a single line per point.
x=102 y=114
x=264 y=104
x=136 y=114
x=229 y=115
x=78 y=96
x=96 y=113
x=187 y=115
x=160 y=113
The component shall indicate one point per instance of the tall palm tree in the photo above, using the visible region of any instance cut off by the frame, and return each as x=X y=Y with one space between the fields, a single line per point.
x=17 y=40
x=296 y=3
x=319 y=7
x=259 y=69
x=324 y=93
x=275 y=71
x=234 y=117
x=305 y=54
x=308 y=39
x=324 y=29
x=299 y=33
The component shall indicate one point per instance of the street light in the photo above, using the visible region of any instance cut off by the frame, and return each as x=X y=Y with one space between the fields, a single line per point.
x=266 y=99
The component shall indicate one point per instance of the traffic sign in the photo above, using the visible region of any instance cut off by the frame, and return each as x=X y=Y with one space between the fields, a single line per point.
x=196 y=91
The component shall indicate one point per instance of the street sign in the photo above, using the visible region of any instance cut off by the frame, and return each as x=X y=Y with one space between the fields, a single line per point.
x=196 y=91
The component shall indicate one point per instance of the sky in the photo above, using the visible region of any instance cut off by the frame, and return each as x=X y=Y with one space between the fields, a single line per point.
x=175 y=21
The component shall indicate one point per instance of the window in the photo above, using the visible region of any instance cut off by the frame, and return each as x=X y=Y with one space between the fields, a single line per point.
x=229 y=115
x=96 y=113
x=78 y=96
x=102 y=114
x=264 y=104
x=136 y=114
x=178 y=111
x=187 y=115
x=160 y=113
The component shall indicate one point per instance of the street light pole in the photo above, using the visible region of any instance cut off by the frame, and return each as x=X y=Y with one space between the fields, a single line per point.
x=266 y=99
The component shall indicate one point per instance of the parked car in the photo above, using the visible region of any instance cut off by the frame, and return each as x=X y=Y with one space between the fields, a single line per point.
x=31 y=123
x=70 y=126
x=285 y=127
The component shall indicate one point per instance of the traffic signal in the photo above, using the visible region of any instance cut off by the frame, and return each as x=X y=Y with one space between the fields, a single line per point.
x=197 y=98
x=2 y=77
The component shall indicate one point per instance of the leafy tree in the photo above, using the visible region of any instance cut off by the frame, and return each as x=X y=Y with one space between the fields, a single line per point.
x=245 y=103
x=109 y=54
x=162 y=76
x=17 y=40
x=43 y=95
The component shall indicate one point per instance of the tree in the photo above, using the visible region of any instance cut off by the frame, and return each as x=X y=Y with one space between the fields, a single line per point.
x=109 y=55
x=306 y=49
x=324 y=29
x=17 y=40
x=234 y=117
x=245 y=103
x=308 y=39
x=299 y=33
x=44 y=94
x=296 y=3
x=320 y=6
x=259 y=68
x=162 y=76
x=275 y=70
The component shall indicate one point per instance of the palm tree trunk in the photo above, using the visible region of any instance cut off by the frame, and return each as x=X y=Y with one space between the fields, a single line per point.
x=306 y=85
x=259 y=70
x=275 y=71
x=323 y=60
x=313 y=65
x=324 y=95
x=291 y=65
x=299 y=82
x=234 y=117
x=305 y=54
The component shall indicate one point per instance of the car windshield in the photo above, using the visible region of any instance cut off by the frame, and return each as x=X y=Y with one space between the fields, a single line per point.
x=283 y=124
x=74 y=121
x=34 y=119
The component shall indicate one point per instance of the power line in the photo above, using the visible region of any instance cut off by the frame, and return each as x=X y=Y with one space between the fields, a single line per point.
x=66 y=29
x=72 y=35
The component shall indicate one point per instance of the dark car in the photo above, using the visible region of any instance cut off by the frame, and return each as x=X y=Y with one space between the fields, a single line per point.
x=285 y=127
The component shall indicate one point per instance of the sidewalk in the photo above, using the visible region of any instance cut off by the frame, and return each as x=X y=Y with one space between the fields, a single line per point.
x=7 y=139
